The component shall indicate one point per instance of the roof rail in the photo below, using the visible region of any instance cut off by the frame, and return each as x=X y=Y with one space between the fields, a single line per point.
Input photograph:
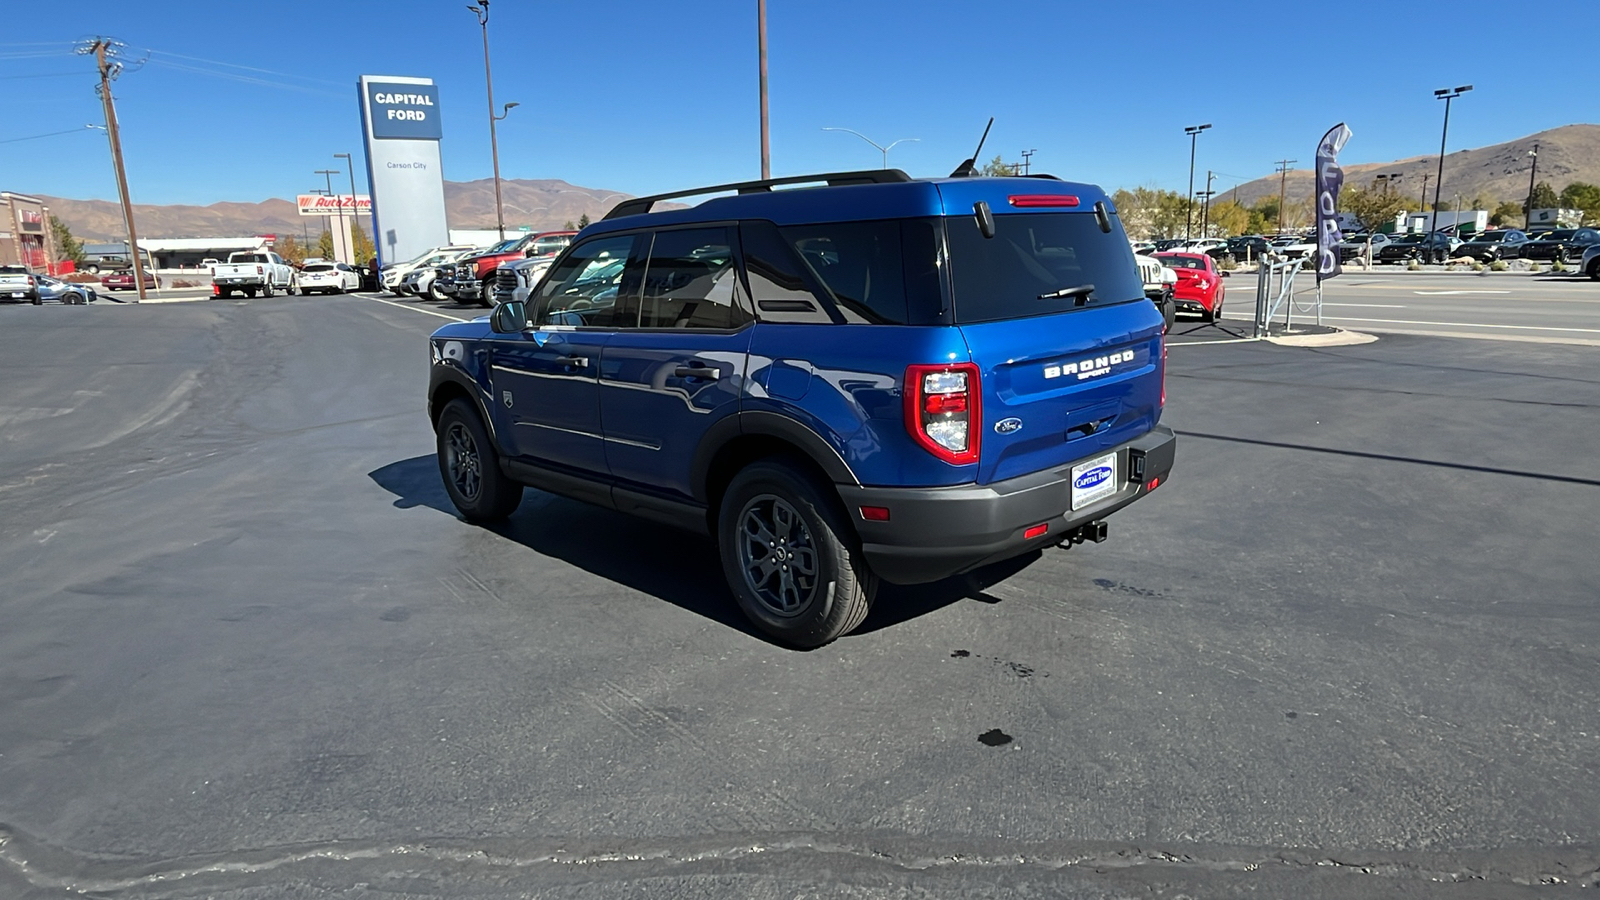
x=640 y=205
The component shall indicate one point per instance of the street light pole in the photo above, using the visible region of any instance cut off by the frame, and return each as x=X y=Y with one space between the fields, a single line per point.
x=1445 y=94
x=327 y=175
x=882 y=149
x=482 y=12
x=1193 y=131
x=761 y=43
x=355 y=207
x=1527 y=218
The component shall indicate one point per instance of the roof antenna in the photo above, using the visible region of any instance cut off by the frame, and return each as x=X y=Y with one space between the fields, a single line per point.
x=969 y=169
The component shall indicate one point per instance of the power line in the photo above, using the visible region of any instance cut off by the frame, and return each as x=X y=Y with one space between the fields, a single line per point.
x=106 y=53
x=35 y=137
x=246 y=79
x=217 y=62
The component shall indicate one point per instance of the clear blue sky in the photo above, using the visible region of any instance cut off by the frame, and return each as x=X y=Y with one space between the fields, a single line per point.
x=242 y=101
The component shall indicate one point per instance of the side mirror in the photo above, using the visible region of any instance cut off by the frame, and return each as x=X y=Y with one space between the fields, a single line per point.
x=1224 y=274
x=510 y=317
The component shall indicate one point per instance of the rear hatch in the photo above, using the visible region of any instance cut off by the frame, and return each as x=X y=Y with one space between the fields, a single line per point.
x=1064 y=375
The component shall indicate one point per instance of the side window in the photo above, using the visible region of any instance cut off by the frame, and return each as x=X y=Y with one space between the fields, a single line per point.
x=777 y=282
x=860 y=264
x=585 y=289
x=691 y=281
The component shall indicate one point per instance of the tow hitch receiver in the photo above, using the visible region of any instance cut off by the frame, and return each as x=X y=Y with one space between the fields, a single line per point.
x=1093 y=531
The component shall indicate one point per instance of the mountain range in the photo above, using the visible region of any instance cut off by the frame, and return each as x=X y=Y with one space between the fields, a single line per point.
x=542 y=204
x=1498 y=172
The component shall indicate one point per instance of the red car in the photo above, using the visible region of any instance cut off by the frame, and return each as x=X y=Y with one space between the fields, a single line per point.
x=1199 y=288
x=123 y=281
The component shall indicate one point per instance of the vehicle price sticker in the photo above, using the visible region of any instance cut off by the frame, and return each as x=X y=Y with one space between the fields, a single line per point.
x=1094 y=480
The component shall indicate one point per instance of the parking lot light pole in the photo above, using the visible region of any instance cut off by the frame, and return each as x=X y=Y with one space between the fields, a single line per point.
x=884 y=150
x=1527 y=217
x=761 y=52
x=355 y=207
x=327 y=175
x=1445 y=94
x=481 y=10
x=1193 y=131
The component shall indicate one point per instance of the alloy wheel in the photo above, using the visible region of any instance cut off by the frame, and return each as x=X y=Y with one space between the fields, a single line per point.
x=777 y=555
x=463 y=462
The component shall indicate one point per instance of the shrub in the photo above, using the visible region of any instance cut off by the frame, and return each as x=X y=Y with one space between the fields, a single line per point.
x=1499 y=265
x=1227 y=263
x=1535 y=267
x=1476 y=266
x=1556 y=265
x=1415 y=265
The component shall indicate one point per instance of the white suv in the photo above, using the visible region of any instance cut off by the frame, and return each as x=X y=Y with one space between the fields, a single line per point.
x=394 y=274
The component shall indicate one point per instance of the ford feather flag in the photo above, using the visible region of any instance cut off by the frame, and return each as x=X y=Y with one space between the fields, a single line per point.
x=1329 y=179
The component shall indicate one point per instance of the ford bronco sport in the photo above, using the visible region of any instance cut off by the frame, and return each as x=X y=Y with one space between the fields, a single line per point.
x=873 y=378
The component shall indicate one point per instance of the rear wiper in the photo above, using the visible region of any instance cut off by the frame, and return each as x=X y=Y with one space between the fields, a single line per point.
x=1081 y=291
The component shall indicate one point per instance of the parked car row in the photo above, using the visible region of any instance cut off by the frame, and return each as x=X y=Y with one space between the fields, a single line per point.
x=477 y=276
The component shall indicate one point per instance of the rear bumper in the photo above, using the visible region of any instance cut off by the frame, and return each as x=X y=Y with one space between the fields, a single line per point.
x=937 y=532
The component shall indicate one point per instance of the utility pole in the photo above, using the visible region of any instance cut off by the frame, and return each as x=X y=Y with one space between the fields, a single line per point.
x=1027 y=161
x=1422 y=201
x=1205 y=227
x=102 y=48
x=766 y=136
x=482 y=12
x=355 y=209
x=327 y=175
x=1283 y=187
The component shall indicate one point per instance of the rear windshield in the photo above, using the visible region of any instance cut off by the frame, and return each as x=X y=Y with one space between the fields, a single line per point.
x=319 y=267
x=247 y=258
x=1174 y=261
x=1558 y=235
x=1032 y=257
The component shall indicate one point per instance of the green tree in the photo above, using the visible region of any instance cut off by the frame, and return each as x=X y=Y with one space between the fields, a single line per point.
x=1229 y=218
x=361 y=245
x=1507 y=214
x=290 y=249
x=1585 y=196
x=67 y=246
x=1544 y=196
x=1264 y=216
x=569 y=226
x=325 y=245
x=583 y=221
x=998 y=166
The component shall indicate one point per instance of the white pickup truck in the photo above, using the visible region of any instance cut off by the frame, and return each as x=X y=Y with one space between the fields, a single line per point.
x=251 y=271
x=17 y=283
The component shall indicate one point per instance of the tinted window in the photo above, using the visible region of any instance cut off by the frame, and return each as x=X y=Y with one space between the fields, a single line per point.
x=1181 y=262
x=777 y=282
x=315 y=267
x=691 y=281
x=583 y=289
x=860 y=264
x=1032 y=256
x=248 y=258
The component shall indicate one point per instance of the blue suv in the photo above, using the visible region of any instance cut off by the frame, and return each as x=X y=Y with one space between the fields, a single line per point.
x=875 y=377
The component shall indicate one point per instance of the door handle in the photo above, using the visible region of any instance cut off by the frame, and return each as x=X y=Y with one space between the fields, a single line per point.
x=581 y=362
x=697 y=370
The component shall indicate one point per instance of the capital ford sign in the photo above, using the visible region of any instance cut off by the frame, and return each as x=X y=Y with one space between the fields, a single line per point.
x=404 y=111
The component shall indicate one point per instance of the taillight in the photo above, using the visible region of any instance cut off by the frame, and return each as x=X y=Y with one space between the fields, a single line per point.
x=944 y=410
x=260 y=271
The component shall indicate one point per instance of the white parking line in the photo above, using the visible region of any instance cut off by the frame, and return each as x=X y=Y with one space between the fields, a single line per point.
x=1369 y=305
x=1450 y=293
x=1467 y=325
x=426 y=312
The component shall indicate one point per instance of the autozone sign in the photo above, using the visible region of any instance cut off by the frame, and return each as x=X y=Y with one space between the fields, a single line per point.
x=318 y=205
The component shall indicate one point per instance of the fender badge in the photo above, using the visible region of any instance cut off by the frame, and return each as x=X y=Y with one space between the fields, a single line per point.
x=1007 y=426
x=505 y=397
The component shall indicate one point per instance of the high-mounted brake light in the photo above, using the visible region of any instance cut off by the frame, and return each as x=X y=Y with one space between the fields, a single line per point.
x=1023 y=201
x=944 y=410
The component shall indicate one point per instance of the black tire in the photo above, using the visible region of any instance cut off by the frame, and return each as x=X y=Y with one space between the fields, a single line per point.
x=266 y=288
x=486 y=294
x=802 y=525
x=1594 y=268
x=1169 y=312
x=37 y=300
x=436 y=294
x=250 y=293
x=93 y=270
x=470 y=467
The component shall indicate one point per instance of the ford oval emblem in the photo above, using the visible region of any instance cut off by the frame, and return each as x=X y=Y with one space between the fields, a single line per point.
x=1008 y=426
x=1092 y=477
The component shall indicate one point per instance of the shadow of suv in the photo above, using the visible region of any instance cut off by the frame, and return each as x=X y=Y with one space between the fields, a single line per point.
x=872 y=379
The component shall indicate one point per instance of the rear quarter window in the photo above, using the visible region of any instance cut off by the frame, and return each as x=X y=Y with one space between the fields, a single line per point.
x=880 y=273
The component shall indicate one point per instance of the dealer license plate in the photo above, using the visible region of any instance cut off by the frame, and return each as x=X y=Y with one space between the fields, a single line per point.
x=1094 y=480
x=17 y=293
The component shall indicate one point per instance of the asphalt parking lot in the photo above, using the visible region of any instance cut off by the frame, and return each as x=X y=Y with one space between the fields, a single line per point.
x=1350 y=649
